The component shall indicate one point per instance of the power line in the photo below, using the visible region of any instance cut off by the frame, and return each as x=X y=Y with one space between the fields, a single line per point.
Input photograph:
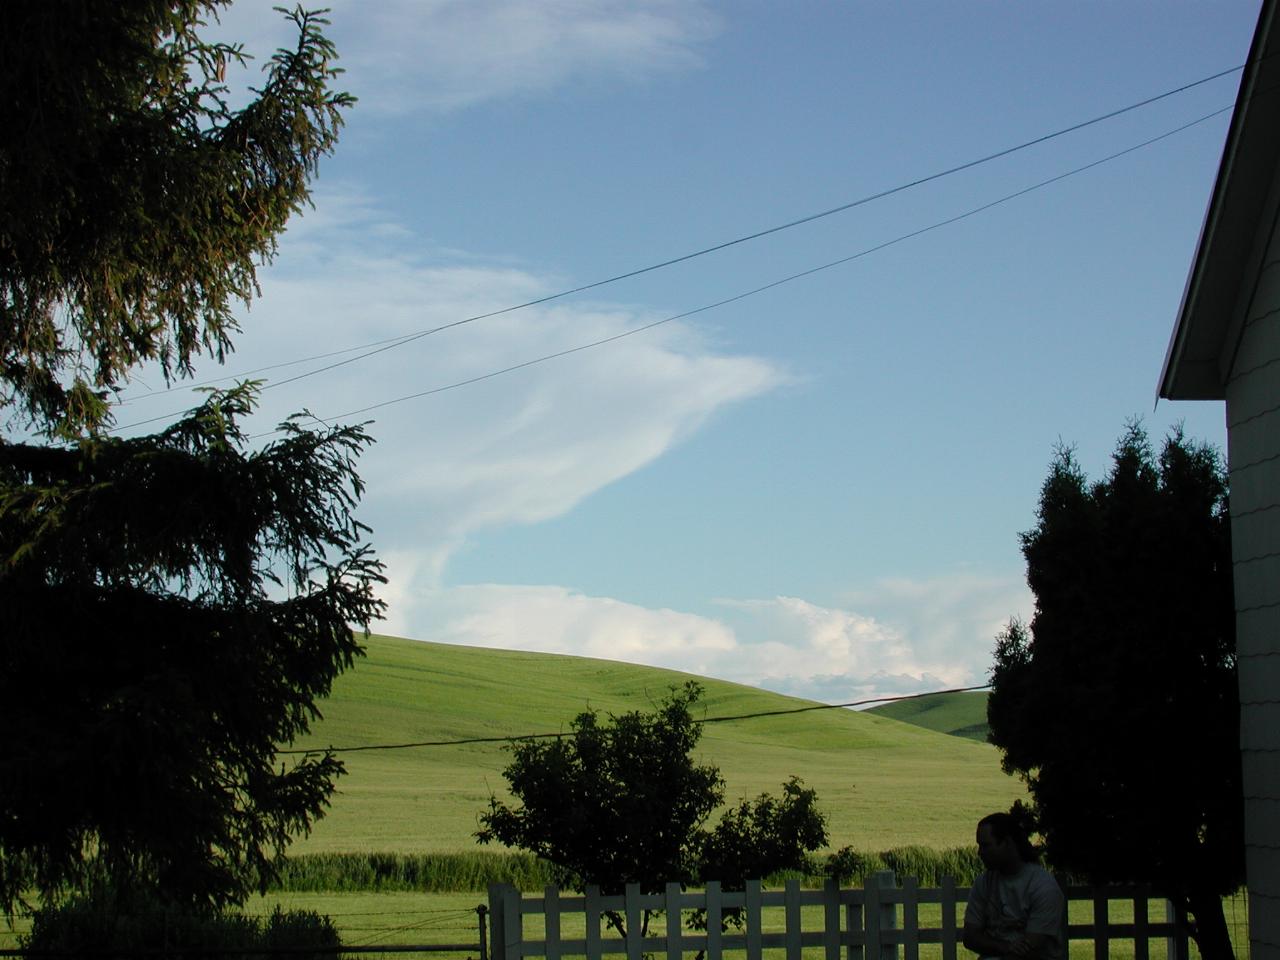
x=768 y=286
x=726 y=719
x=382 y=346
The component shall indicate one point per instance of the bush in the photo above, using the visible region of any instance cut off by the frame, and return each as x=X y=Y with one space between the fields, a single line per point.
x=106 y=923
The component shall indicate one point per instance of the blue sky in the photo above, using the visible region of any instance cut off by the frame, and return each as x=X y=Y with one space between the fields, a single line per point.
x=819 y=488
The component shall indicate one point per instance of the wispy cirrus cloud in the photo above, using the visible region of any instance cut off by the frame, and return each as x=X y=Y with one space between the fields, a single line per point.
x=436 y=56
x=514 y=449
x=529 y=446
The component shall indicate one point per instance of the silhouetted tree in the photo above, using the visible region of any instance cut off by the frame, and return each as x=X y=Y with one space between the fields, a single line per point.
x=762 y=836
x=1118 y=704
x=624 y=801
x=173 y=605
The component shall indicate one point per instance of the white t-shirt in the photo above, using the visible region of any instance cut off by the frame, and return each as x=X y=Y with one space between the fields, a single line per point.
x=1030 y=901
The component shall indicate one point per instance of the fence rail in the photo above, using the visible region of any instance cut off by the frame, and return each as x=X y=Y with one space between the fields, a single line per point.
x=879 y=921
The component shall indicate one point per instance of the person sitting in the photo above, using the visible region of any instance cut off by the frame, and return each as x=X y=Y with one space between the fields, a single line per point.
x=1015 y=908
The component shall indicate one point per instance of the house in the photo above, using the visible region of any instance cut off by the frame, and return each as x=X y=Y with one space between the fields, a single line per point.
x=1226 y=346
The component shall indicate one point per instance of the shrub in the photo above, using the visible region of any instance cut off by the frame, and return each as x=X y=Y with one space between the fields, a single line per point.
x=104 y=922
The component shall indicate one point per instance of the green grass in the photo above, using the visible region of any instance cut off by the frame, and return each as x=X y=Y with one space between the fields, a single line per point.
x=957 y=714
x=882 y=783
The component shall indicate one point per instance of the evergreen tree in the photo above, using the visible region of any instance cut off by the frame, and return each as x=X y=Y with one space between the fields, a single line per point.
x=1118 y=704
x=174 y=605
x=136 y=202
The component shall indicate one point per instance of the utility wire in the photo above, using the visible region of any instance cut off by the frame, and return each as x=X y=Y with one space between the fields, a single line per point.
x=382 y=346
x=768 y=286
x=548 y=736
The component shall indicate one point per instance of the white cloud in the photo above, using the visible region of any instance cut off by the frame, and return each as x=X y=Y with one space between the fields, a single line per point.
x=553 y=619
x=515 y=449
x=840 y=655
x=529 y=446
x=438 y=55
x=952 y=615
x=784 y=644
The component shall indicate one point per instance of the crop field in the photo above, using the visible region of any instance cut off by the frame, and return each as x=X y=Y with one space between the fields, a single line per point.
x=881 y=782
x=959 y=714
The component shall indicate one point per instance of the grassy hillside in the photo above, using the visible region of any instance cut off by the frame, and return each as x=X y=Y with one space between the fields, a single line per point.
x=882 y=783
x=959 y=714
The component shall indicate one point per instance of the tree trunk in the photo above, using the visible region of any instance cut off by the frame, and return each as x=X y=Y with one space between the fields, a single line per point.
x=1210 y=929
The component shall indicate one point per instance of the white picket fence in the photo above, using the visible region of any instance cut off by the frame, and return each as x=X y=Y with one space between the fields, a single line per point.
x=879 y=921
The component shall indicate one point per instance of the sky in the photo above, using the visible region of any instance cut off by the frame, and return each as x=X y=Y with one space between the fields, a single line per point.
x=818 y=488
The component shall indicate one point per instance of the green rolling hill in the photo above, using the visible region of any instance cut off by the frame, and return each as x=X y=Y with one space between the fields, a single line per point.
x=882 y=783
x=958 y=714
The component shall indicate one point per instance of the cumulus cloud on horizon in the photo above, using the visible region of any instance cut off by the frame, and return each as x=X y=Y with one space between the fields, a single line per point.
x=783 y=644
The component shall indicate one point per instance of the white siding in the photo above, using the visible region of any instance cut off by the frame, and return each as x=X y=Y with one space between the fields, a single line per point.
x=1264 y=922
x=1253 y=429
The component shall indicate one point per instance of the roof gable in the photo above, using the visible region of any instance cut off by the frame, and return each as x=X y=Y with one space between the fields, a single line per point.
x=1238 y=224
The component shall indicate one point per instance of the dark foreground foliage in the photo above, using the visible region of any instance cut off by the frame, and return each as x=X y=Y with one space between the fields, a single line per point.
x=123 y=927
x=174 y=608
x=1118 y=704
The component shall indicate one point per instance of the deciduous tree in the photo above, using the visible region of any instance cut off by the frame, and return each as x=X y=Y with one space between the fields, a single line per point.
x=625 y=801
x=1118 y=703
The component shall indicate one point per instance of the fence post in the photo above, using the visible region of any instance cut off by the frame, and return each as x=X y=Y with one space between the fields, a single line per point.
x=1101 y=926
x=888 y=915
x=751 y=906
x=481 y=911
x=631 y=906
x=830 y=919
x=715 y=917
x=871 y=916
x=1141 y=947
x=502 y=922
x=855 y=913
x=674 y=921
x=911 y=917
x=1176 y=946
x=592 y=910
x=551 y=921
x=791 y=910
x=495 y=926
x=949 y=918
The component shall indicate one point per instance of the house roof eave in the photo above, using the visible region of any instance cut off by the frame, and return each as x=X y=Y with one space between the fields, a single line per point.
x=1197 y=360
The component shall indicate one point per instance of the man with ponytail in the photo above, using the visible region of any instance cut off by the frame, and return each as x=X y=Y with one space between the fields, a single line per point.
x=1016 y=909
